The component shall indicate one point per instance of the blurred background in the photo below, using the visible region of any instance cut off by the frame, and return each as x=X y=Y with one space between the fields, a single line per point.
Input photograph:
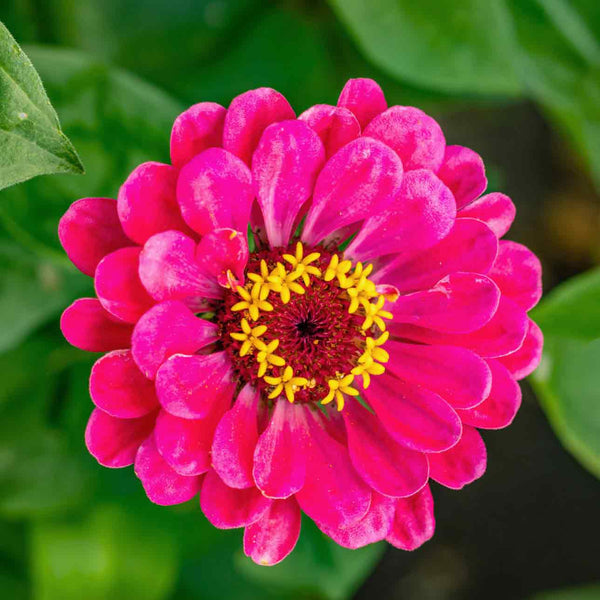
x=516 y=80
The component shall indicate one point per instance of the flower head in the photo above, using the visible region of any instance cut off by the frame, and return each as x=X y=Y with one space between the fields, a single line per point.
x=351 y=356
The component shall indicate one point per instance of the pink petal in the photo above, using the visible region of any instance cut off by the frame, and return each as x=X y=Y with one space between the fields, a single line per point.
x=214 y=190
x=459 y=303
x=462 y=464
x=89 y=230
x=221 y=251
x=227 y=508
x=336 y=126
x=119 y=388
x=415 y=136
x=414 y=522
x=333 y=494
x=463 y=172
x=86 y=325
x=249 y=115
x=495 y=209
x=270 y=539
x=168 y=328
x=385 y=465
x=196 y=129
x=499 y=409
x=285 y=166
x=162 y=484
x=359 y=180
x=458 y=375
x=418 y=218
x=188 y=386
x=280 y=455
x=235 y=439
x=518 y=273
x=470 y=246
x=114 y=442
x=415 y=417
x=118 y=285
x=364 y=98
x=147 y=203
x=526 y=359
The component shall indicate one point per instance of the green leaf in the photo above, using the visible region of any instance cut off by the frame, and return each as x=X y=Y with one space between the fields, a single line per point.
x=30 y=136
x=587 y=592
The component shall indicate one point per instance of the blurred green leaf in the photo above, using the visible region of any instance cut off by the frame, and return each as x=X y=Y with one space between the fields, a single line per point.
x=588 y=592
x=30 y=135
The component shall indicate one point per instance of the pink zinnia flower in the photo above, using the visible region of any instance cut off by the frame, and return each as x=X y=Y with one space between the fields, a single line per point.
x=338 y=364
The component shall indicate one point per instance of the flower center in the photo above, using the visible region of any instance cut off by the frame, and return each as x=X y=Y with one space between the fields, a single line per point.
x=304 y=325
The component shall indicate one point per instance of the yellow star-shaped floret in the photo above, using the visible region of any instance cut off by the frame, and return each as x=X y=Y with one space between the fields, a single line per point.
x=261 y=287
x=337 y=269
x=301 y=264
x=248 y=336
x=337 y=388
x=283 y=282
x=286 y=383
x=375 y=314
x=251 y=304
x=266 y=356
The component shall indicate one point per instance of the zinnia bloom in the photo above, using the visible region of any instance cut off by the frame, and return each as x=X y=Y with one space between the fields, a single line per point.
x=311 y=313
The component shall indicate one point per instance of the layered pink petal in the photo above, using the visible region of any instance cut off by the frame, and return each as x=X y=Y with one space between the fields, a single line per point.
x=118 y=285
x=388 y=467
x=114 y=442
x=249 y=115
x=86 y=325
x=161 y=483
x=463 y=172
x=89 y=230
x=168 y=328
x=462 y=464
x=119 y=388
x=418 y=218
x=221 y=253
x=198 y=128
x=214 y=190
x=284 y=166
x=414 y=522
x=358 y=181
x=227 y=508
x=270 y=539
x=496 y=210
x=526 y=359
x=416 y=137
x=458 y=375
x=235 y=439
x=364 y=98
x=280 y=454
x=335 y=125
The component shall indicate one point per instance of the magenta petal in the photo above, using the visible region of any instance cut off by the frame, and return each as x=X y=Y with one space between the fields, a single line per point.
x=459 y=303
x=221 y=251
x=359 y=180
x=385 y=465
x=518 y=273
x=418 y=218
x=470 y=246
x=527 y=358
x=413 y=416
x=161 y=483
x=415 y=136
x=214 y=190
x=227 y=508
x=270 y=539
x=333 y=494
x=280 y=455
x=364 y=98
x=147 y=203
x=166 y=329
x=86 y=325
x=118 y=285
x=196 y=129
x=499 y=409
x=285 y=166
x=336 y=126
x=458 y=375
x=188 y=386
x=89 y=230
x=462 y=464
x=119 y=388
x=249 y=115
x=463 y=172
x=114 y=442
x=235 y=439
x=414 y=522
x=495 y=209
